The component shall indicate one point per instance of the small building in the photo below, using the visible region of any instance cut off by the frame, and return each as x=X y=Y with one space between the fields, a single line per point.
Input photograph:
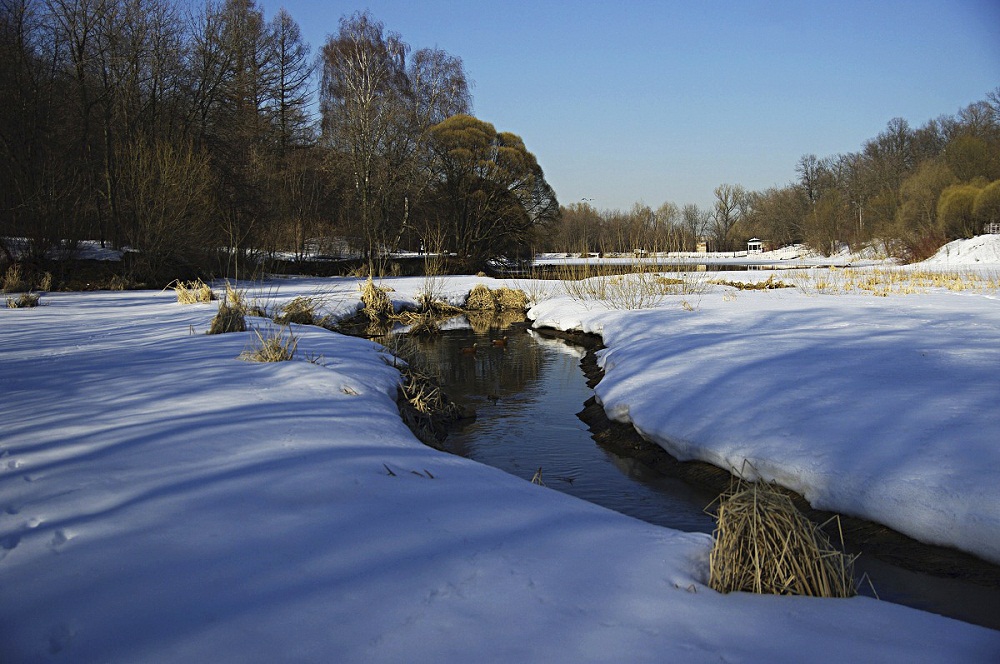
x=755 y=245
x=991 y=228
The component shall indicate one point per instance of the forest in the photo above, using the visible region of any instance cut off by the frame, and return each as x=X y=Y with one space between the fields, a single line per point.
x=205 y=139
x=189 y=135
x=910 y=190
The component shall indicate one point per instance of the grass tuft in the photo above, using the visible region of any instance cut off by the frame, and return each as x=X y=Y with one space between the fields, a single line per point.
x=231 y=317
x=301 y=311
x=763 y=544
x=23 y=301
x=378 y=306
x=275 y=347
x=192 y=292
x=481 y=298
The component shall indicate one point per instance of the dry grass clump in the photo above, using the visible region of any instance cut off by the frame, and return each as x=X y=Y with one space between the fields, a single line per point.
x=13 y=280
x=378 y=306
x=770 y=284
x=192 y=292
x=231 y=317
x=23 y=301
x=301 y=311
x=274 y=347
x=481 y=298
x=763 y=544
x=510 y=299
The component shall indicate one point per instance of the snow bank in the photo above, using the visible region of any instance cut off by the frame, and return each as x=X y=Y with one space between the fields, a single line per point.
x=883 y=408
x=980 y=250
x=163 y=501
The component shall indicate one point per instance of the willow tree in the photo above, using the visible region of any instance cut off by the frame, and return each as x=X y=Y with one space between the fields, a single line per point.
x=489 y=194
x=377 y=109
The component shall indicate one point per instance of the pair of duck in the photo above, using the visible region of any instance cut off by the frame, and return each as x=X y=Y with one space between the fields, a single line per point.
x=471 y=350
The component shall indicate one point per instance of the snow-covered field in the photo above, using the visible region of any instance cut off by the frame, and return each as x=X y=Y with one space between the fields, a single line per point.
x=163 y=501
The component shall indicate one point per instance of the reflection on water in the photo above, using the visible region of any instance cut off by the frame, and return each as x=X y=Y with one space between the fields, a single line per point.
x=527 y=393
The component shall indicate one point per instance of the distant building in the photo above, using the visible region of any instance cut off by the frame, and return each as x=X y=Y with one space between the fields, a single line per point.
x=755 y=245
x=992 y=228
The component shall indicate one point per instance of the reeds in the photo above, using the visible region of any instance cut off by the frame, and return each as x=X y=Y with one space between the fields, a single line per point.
x=883 y=282
x=192 y=292
x=231 y=316
x=763 y=544
x=23 y=301
x=301 y=311
x=481 y=298
x=13 y=280
x=378 y=306
x=277 y=346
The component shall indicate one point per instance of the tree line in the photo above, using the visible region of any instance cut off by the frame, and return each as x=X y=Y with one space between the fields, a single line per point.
x=911 y=189
x=190 y=136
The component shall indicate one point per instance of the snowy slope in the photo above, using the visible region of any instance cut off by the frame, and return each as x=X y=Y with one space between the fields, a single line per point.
x=980 y=250
x=163 y=501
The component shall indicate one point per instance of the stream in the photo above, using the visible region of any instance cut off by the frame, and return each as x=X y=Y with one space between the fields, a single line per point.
x=526 y=394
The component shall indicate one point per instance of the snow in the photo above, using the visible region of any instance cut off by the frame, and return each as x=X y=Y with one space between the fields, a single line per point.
x=163 y=501
x=980 y=250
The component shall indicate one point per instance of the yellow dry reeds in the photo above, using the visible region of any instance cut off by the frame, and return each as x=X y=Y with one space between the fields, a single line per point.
x=231 y=317
x=378 y=306
x=192 y=292
x=301 y=311
x=274 y=347
x=13 y=280
x=481 y=298
x=763 y=544
x=510 y=299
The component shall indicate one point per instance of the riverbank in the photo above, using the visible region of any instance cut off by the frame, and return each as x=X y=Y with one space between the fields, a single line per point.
x=164 y=501
x=859 y=535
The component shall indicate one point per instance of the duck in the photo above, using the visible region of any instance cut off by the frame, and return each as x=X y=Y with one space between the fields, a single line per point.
x=500 y=343
x=469 y=350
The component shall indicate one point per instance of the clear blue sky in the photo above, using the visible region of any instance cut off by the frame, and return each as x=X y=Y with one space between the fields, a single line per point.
x=647 y=101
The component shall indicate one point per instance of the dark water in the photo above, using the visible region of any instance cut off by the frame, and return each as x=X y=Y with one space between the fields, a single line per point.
x=526 y=395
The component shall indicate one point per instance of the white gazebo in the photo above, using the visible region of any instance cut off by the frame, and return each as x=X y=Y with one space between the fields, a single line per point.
x=754 y=245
